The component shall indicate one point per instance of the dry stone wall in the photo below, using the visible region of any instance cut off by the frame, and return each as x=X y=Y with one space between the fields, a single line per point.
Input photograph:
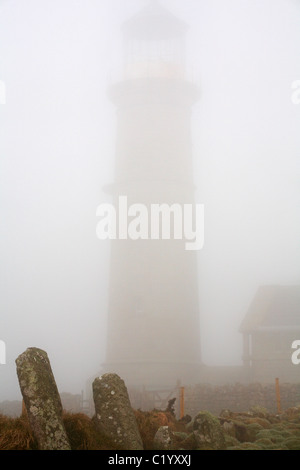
x=239 y=397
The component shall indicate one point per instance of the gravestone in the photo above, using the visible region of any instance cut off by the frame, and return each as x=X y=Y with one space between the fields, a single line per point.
x=42 y=400
x=114 y=416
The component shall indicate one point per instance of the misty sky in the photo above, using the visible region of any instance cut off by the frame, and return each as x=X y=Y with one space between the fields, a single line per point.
x=57 y=137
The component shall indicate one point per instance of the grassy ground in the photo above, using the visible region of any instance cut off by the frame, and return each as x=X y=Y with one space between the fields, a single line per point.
x=254 y=430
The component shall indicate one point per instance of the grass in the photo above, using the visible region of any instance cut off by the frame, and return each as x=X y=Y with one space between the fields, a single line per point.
x=15 y=433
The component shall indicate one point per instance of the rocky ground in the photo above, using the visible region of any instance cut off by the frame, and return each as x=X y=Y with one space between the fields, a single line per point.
x=253 y=430
x=117 y=426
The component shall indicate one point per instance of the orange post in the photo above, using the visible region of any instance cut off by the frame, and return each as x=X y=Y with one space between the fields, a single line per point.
x=24 y=412
x=277 y=388
x=181 y=402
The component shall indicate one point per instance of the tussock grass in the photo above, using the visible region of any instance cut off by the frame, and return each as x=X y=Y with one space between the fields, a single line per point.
x=15 y=434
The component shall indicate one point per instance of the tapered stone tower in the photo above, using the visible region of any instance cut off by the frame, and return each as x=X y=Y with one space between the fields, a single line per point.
x=153 y=319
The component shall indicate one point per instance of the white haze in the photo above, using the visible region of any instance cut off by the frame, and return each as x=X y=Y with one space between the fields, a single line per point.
x=57 y=134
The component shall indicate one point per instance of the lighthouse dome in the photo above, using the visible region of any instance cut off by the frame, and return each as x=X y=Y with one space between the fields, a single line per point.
x=154 y=22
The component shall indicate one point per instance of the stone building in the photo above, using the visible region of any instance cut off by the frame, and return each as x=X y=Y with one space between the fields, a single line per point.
x=271 y=325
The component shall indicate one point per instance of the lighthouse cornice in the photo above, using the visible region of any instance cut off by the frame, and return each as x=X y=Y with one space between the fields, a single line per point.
x=126 y=186
x=175 y=91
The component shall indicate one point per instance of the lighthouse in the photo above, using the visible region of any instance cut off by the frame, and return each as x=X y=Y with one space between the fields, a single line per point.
x=153 y=337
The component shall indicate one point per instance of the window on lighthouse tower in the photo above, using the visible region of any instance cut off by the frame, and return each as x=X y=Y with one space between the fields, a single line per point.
x=153 y=59
x=154 y=45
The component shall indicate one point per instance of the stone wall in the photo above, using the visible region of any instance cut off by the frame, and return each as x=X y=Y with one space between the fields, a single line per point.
x=11 y=408
x=239 y=397
x=71 y=403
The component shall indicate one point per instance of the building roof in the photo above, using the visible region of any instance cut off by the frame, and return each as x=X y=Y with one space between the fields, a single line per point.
x=154 y=22
x=274 y=307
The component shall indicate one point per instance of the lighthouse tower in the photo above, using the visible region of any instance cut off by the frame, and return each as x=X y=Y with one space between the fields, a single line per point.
x=153 y=335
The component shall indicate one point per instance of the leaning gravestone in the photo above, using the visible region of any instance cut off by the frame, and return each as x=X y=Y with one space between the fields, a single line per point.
x=42 y=400
x=114 y=416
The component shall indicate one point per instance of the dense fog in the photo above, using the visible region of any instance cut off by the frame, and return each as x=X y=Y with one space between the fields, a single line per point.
x=58 y=132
